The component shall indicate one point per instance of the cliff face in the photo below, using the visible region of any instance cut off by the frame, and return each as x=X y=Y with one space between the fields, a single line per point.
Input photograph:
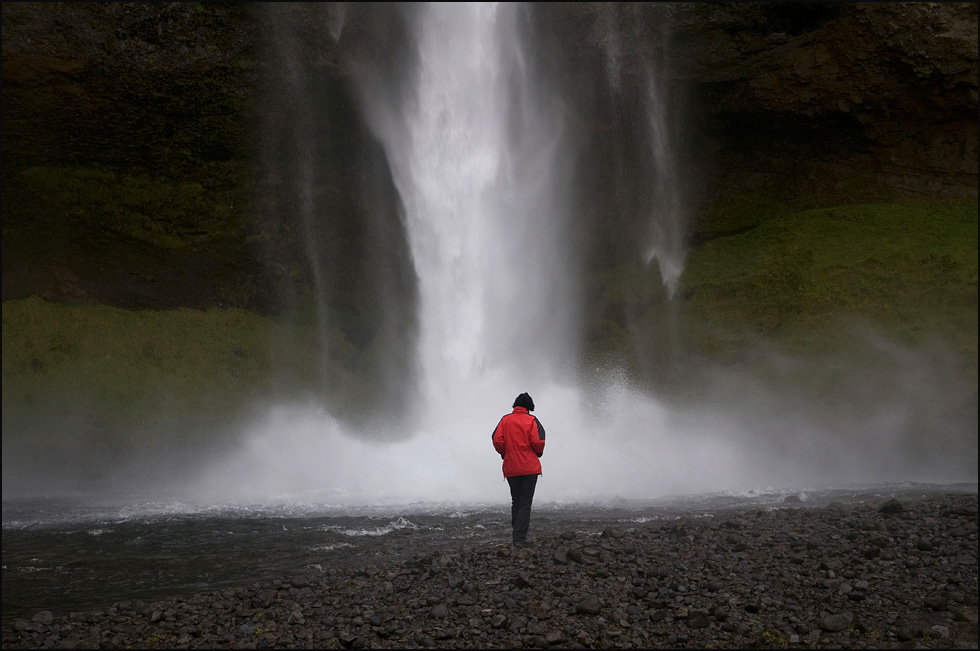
x=887 y=90
x=126 y=152
x=131 y=133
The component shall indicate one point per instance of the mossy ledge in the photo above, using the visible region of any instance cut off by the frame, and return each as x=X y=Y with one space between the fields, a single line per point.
x=814 y=284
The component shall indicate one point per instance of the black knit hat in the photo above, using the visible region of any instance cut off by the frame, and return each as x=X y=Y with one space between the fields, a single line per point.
x=524 y=400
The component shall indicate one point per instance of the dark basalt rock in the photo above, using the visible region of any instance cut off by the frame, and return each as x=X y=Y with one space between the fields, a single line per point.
x=174 y=101
x=668 y=592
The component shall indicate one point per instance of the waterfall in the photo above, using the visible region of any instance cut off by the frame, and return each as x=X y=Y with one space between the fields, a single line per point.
x=667 y=223
x=663 y=204
x=482 y=153
x=475 y=147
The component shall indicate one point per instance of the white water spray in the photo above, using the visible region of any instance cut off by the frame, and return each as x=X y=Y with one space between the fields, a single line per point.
x=477 y=152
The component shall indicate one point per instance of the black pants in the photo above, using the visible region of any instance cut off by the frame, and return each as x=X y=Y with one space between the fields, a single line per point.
x=521 y=496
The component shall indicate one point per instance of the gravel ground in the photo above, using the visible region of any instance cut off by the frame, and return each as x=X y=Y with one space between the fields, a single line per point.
x=882 y=574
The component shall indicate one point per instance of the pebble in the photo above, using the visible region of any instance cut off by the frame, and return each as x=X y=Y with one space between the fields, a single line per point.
x=885 y=574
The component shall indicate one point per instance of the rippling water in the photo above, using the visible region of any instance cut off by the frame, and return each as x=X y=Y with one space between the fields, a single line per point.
x=63 y=556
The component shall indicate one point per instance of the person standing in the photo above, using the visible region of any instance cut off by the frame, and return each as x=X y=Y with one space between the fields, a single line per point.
x=519 y=439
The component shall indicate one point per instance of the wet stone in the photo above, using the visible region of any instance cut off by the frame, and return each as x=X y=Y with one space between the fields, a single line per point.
x=646 y=589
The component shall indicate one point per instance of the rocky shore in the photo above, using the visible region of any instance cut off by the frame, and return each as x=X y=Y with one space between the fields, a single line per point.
x=881 y=574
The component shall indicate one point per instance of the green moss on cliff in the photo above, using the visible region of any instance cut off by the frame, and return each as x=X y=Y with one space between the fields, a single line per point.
x=161 y=212
x=93 y=374
x=908 y=271
x=814 y=284
x=113 y=372
x=817 y=285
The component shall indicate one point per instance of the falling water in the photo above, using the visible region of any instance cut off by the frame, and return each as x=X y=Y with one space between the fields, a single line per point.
x=479 y=148
x=661 y=204
x=667 y=219
x=667 y=222
x=475 y=151
x=480 y=154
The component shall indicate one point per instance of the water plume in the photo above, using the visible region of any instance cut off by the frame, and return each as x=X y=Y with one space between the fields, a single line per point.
x=614 y=442
x=667 y=222
x=481 y=151
x=478 y=155
x=652 y=173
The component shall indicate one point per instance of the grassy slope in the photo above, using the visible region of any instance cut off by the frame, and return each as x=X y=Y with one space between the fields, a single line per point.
x=798 y=281
x=908 y=270
x=110 y=371
x=772 y=282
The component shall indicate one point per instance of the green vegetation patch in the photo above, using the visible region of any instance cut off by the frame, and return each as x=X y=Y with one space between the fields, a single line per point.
x=738 y=214
x=813 y=283
x=909 y=271
x=107 y=369
x=817 y=284
x=166 y=213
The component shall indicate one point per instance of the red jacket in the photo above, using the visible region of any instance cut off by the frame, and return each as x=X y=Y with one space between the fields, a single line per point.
x=519 y=438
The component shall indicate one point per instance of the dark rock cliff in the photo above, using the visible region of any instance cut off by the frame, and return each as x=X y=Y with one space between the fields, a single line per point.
x=132 y=132
x=887 y=90
x=127 y=152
